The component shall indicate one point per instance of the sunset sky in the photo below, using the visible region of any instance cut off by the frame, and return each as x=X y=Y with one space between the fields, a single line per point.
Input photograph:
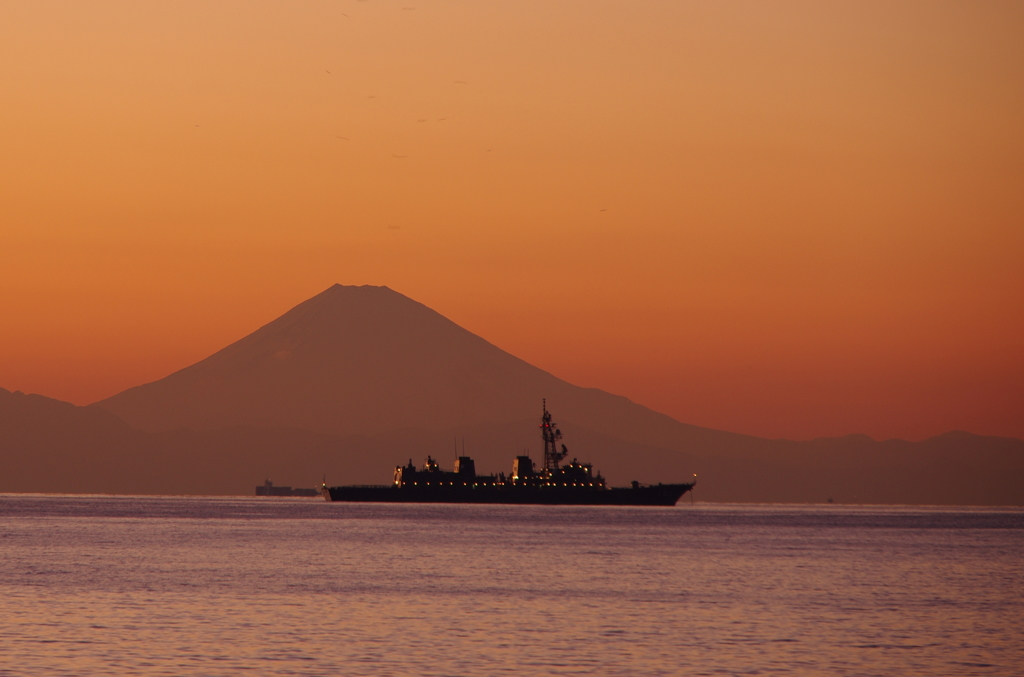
x=789 y=219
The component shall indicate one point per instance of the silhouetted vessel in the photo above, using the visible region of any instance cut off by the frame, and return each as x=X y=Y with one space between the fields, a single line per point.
x=555 y=484
x=268 y=489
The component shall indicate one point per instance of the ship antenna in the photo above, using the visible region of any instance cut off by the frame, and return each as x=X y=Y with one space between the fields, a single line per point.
x=551 y=434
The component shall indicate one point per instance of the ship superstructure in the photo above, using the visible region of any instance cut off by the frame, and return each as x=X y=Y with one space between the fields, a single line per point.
x=554 y=483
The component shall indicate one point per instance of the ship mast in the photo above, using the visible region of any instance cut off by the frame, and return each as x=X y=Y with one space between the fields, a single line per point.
x=551 y=434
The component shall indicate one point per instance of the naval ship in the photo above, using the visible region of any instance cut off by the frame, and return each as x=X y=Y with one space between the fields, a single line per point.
x=573 y=483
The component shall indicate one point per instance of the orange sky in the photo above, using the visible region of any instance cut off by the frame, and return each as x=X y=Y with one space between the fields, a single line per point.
x=813 y=213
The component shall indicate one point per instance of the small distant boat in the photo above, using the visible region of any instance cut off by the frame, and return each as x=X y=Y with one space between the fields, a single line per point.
x=268 y=489
x=555 y=484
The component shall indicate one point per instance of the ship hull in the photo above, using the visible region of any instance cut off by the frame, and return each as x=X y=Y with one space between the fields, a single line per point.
x=654 y=495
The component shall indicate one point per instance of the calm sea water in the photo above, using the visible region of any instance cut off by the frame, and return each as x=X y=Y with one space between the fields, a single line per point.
x=218 y=586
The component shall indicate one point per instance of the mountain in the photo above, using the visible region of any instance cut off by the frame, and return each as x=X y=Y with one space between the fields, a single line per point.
x=358 y=379
x=369 y=361
x=363 y=360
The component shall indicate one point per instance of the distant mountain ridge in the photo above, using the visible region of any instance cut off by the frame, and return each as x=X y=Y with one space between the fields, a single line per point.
x=55 y=447
x=358 y=379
